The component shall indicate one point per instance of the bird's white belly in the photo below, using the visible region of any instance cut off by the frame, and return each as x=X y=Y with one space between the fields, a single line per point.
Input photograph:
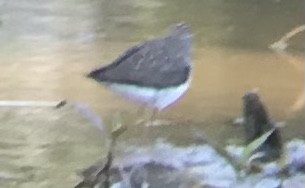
x=157 y=98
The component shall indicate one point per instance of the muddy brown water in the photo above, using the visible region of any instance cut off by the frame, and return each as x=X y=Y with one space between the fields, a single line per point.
x=48 y=47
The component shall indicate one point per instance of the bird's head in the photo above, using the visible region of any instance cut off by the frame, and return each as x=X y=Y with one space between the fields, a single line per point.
x=182 y=31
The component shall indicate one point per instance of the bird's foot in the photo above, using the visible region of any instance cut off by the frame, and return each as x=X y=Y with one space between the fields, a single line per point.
x=140 y=121
x=157 y=123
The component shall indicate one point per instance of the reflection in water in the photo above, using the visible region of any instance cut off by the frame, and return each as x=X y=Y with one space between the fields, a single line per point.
x=40 y=147
x=48 y=47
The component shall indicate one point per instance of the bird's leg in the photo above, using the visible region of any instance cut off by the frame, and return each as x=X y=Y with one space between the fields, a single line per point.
x=141 y=115
x=153 y=114
x=154 y=121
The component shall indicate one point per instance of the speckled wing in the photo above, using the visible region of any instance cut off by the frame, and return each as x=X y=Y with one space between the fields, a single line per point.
x=158 y=63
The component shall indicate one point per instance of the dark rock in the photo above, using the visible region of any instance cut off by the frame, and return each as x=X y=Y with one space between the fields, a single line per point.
x=257 y=122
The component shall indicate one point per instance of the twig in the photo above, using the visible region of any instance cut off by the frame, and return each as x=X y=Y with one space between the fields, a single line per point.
x=30 y=103
x=282 y=43
x=103 y=174
x=293 y=32
x=278 y=48
x=96 y=179
x=106 y=169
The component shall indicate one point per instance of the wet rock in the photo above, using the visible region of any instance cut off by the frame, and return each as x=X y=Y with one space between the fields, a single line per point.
x=235 y=152
x=271 y=169
x=258 y=181
x=257 y=122
x=136 y=177
x=247 y=182
x=295 y=157
x=165 y=165
x=117 y=185
x=295 y=151
x=268 y=183
x=297 y=181
x=168 y=155
x=218 y=174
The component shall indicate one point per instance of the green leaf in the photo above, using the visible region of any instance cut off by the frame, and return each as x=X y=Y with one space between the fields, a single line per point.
x=253 y=146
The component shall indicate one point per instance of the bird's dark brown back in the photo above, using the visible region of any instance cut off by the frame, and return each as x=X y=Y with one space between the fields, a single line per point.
x=157 y=63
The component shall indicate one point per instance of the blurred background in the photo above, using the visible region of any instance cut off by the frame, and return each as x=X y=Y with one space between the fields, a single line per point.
x=48 y=46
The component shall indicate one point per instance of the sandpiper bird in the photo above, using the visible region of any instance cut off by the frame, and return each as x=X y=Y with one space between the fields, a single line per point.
x=155 y=73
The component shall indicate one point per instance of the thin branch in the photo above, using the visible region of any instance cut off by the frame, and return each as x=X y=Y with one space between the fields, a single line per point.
x=17 y=103
x=103 y=174
x=293 y=32
x=283 y=42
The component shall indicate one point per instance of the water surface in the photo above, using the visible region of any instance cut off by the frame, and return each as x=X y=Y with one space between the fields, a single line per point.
x=48 y=47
